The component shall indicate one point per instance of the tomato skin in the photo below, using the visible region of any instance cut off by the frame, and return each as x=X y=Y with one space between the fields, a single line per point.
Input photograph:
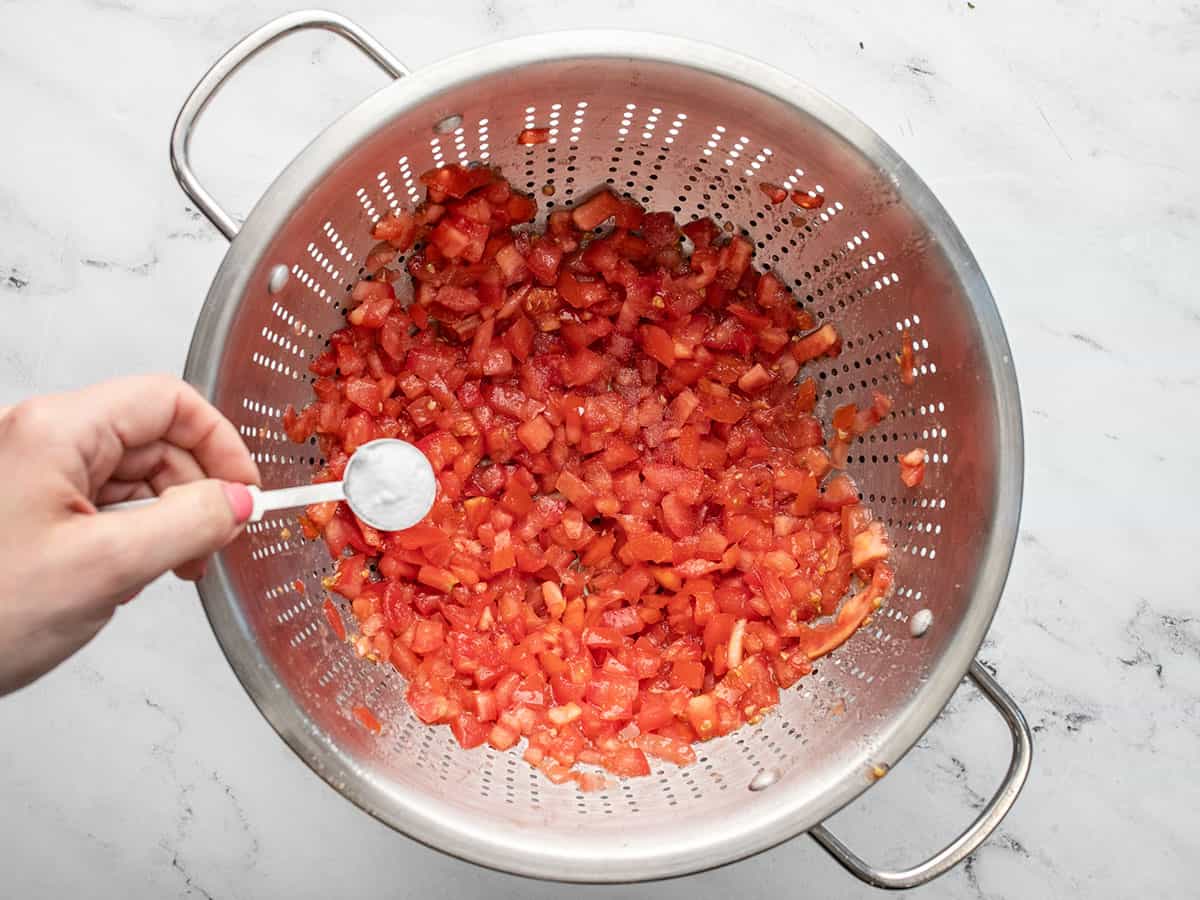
x=334 y=618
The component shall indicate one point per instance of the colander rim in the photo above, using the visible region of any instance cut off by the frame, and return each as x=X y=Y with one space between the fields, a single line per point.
x=490 y=846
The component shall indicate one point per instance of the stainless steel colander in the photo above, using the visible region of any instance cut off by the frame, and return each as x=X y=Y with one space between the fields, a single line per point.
x=689 y=128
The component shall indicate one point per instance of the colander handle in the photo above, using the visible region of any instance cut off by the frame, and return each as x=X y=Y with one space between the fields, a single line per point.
x=214 y=78
x=978 y=831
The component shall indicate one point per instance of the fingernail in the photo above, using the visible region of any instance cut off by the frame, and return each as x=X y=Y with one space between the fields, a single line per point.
x=240 y=501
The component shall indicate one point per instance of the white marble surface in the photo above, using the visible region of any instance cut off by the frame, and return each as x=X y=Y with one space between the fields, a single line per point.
x=1062 y=139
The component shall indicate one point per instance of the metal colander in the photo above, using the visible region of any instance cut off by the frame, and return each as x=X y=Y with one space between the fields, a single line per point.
x=678 y=126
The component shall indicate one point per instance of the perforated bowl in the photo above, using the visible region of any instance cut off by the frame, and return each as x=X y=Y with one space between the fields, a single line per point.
x=678 y=126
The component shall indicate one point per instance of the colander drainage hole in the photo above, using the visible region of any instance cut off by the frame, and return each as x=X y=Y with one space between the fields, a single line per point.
x=448 y=124
x=764 y=779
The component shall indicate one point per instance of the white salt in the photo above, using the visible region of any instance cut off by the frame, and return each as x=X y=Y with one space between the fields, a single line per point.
x=920 y=623
x=389 y=484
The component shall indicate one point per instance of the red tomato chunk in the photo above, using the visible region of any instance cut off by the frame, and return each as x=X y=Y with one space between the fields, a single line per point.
x=642 y=533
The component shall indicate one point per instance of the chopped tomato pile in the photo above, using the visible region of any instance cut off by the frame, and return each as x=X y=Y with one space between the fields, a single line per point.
x=640 y=536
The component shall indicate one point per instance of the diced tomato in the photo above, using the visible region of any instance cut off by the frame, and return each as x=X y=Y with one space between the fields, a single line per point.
x=660 y=231
x=375 y=299
x=457 y=181
x=351 y=573
x=838 y=492
x=906 y=359
x=429 y=636
x=504 y=554
x=658 y=344
x=367 y=719
x=702 y=232
x=702 y=716
x=808 y=199
x=774 y=192
x=824 y=341
x=544 y=258
x=533 y=136
x=502 y=737
x=912 y=467
x=437 y=578
x=592 y=212
x=626 y=761
x=536 y=434
x=583 y=367
x=429 y=705
x=458 y=299
x=469 y=731
x=580 y=292
x=613 y=695
x=656 y=710
x=364 y=393
x=754 y=379
x=649 y=547
x=670 y=749
x=687 y=673
x=398 y=228
x=869 y=546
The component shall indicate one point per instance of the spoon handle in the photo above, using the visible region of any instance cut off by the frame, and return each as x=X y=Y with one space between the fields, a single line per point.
x=265 y=501
x=286 y=498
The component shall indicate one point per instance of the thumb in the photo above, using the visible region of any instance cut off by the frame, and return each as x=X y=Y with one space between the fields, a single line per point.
x=187 y=522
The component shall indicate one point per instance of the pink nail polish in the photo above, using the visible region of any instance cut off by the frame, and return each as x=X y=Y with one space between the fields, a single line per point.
x=240 y=501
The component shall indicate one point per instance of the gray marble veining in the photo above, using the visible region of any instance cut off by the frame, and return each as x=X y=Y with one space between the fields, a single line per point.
x=1061 y=137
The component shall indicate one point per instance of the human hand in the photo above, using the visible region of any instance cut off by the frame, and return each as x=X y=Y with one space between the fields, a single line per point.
x=64 y=568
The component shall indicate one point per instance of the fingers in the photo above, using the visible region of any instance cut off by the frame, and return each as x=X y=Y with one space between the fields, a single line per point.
x=192 y=570
x=133 y=413
x=120 y=491
x=130 y=548
x=160 y=465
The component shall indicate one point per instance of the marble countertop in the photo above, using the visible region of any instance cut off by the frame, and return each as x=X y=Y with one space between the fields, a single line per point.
x=1061 y=138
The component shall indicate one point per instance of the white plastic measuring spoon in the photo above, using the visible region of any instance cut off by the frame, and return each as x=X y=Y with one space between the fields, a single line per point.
x=389 y=484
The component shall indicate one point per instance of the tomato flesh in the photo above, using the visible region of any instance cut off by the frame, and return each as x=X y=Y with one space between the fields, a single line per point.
x=912 y=467
x=642 y=531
